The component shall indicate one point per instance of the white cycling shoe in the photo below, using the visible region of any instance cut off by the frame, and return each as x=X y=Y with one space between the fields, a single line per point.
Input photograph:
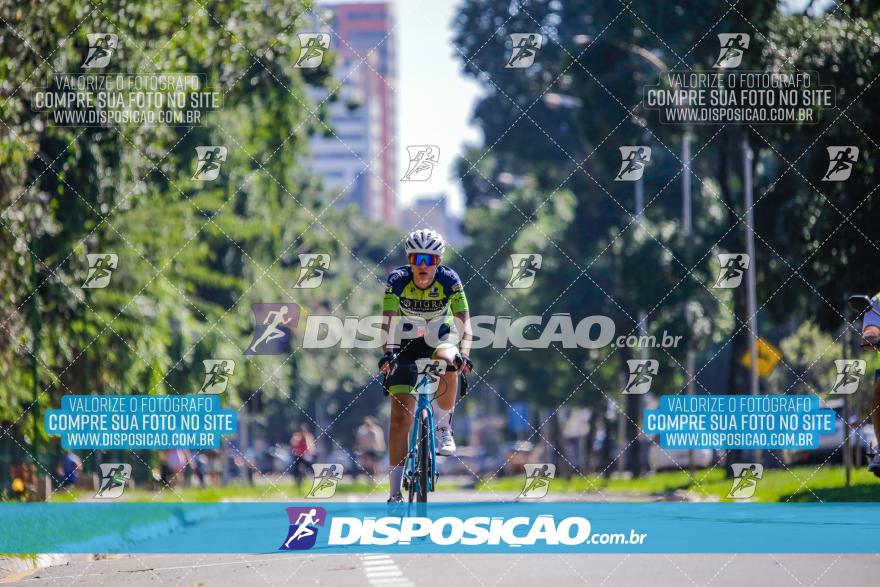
x=445 y=442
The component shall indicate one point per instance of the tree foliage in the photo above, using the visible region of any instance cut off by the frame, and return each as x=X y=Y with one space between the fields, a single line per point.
x=542 y=153
x=193 y=255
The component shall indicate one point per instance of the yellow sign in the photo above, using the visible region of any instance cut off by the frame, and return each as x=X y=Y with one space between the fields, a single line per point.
x=769 y=356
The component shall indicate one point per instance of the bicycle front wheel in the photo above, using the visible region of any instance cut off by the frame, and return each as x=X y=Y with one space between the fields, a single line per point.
x=425 y=465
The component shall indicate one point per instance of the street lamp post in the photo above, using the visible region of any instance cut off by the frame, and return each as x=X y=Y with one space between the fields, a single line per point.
x=35 y=352
x=686 y=218
x=752 y=302
x=847 y=447
x=634 y=401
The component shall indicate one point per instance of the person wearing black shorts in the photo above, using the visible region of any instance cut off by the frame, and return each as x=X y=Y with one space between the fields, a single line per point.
x=430 y=295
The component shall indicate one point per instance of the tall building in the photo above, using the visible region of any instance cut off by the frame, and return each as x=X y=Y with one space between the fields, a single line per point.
x=360 y=161
x=431 y=212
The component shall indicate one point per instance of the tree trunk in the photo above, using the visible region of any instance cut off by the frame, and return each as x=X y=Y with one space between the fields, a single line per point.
x=632 y=407
x=737 y=376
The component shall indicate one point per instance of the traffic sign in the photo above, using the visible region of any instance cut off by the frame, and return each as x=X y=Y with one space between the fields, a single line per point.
x=769 y=356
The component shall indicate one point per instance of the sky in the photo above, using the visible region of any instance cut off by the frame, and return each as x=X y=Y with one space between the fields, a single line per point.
x=434 y=99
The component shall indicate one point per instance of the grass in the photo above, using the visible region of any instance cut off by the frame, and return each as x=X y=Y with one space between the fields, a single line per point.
x=30 y=557
x=798 y=484
x=75 y=528
x=283 y=491
x=650 y=484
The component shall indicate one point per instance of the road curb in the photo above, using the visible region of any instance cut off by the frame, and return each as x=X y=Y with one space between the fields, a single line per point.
x=12 y=567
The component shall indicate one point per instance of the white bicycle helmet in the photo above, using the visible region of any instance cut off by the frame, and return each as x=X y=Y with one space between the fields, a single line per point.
x=425 y=240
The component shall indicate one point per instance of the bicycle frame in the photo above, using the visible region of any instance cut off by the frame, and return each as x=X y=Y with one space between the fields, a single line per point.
x=423 y=396
x=423 y=419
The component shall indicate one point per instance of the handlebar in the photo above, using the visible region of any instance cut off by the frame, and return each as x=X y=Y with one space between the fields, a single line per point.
x=432 y=368
x=429 y=368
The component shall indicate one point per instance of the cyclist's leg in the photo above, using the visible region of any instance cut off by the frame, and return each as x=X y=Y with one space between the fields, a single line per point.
x=875 y=411
x=446 y=400
x=403 y=405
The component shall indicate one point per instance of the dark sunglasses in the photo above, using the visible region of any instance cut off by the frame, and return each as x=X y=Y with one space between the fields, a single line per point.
x=417 y=259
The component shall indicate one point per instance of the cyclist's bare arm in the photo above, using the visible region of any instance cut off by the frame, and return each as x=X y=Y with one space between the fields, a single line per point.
x=871 y=334
x=871 y=328
x=388 y=326
x=464 y=347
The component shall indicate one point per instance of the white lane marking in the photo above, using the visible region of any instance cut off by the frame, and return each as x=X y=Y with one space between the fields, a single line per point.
x=380 y=569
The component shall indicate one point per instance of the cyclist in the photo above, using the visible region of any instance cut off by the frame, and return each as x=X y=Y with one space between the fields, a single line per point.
x=871 y=334
x=428 y=295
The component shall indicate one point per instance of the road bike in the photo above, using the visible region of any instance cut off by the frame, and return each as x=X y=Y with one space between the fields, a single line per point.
x=862 y=304
x=420 y=469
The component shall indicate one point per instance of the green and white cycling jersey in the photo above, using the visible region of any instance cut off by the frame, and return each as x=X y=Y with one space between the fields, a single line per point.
x=444 y=297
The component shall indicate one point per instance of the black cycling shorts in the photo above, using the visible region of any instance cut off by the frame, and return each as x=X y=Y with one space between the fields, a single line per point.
x=410 y=351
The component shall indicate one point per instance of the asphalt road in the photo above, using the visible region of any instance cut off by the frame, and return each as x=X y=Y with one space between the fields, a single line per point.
x=457 y=570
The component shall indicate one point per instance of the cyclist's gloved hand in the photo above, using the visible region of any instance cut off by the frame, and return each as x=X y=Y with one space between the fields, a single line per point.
x=464 y=363
x=871 y=337
x=387 y=358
